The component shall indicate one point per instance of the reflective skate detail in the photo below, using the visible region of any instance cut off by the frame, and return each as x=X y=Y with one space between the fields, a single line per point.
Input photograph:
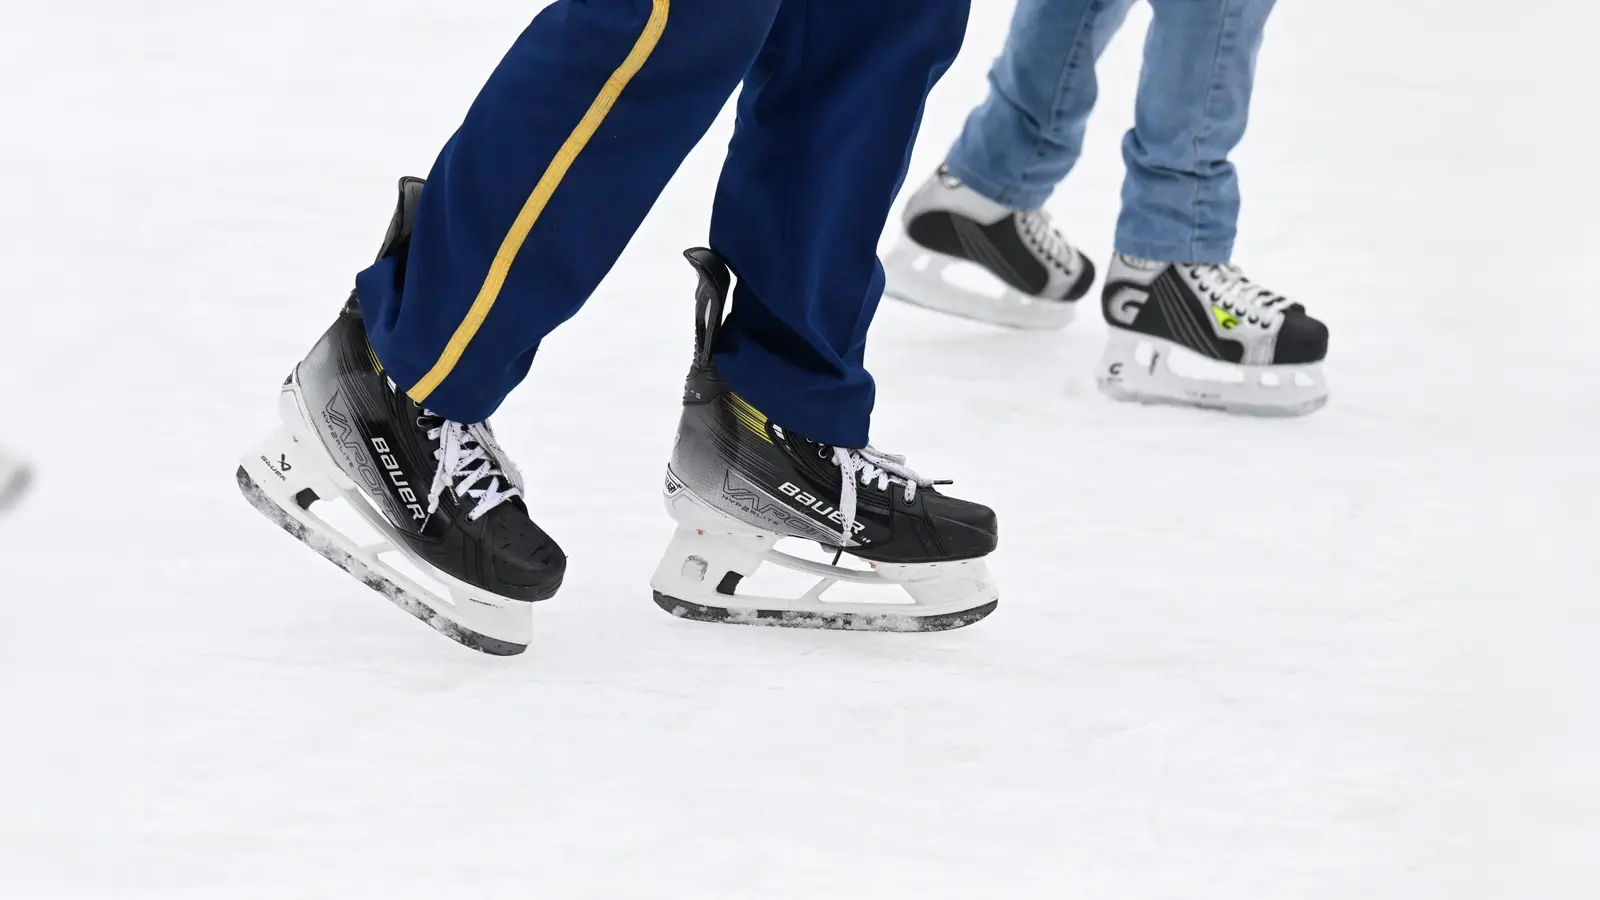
x=919 y=276
x=710 y=554
x=289 y=472
x=1138 y=367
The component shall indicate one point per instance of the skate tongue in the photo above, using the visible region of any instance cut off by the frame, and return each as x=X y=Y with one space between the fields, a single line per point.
x=470 y=464
x=868 y=464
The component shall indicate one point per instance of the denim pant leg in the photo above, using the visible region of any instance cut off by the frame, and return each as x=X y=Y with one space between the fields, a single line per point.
x=1180 y=201
x=1024 y=139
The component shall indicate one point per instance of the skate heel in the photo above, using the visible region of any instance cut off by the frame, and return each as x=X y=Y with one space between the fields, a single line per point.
x=1146 y=369
x=919 y=276
x=289 y=471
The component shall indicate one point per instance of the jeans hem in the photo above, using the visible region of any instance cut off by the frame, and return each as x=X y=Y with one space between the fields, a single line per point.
x=1009 y=196
x=1188 y=252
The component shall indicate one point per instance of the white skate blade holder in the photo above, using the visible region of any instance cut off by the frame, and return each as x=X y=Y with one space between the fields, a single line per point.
x=710 y=554
x=1145 y=369
x=289 y=473
x=926 y=278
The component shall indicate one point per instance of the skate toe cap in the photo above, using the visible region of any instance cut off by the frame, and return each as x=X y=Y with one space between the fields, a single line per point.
x=526 y=562
x=1301 y=339
x=966 y=530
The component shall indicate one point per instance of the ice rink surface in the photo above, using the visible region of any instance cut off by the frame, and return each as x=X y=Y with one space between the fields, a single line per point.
x=1348 y=656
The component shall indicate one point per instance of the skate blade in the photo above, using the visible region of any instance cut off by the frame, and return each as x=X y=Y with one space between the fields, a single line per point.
x=285 y=476
x=917 y=276
x=832 y=620
x=700 y=574
x=1137 y=368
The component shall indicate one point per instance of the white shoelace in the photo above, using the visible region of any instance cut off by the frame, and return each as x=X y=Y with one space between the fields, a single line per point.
x=870 y=465
x=468 y=456
x=1230 y=288
x=1036 y=227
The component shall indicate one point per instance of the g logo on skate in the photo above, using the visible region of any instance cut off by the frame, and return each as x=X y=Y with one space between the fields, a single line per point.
x=1124 y=303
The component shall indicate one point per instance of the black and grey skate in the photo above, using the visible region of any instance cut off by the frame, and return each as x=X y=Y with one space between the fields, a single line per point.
x=947 y=225
x=738 y=483
x=1204 y=335
x=15 y=478
x=442 y=495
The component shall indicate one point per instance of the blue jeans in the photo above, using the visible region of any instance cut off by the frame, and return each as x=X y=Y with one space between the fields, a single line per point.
x=1180 y=200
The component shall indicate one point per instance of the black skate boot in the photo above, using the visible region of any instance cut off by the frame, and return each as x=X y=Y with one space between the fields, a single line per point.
x=739 y=483
x=1248 y=350
x=441 y=494
x=949 y=224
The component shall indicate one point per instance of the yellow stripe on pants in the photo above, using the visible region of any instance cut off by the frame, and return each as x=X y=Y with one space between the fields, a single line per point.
x=557 y=170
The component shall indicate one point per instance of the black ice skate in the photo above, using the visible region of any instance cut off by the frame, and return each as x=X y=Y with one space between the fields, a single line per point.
x=441 y=494
x=947 y=225
x=1205 y=335
x=15 y=477
x=738 y=483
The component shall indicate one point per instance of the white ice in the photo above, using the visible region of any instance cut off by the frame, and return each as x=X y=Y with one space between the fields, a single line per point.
x=1349 y=656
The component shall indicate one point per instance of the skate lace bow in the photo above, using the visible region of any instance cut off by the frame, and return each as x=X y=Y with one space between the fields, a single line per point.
x=472 y=464
x=870 y=465
x=1036 y=227
x=1229 y=287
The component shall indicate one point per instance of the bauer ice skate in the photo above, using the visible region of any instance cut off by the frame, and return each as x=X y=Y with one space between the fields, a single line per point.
x=441 y=495
x=948 y=225
x=1204 y=335
x=739 y=483
x=15 y=478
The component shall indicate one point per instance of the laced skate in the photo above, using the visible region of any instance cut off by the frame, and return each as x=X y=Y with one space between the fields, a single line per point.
x=948 y=225
x=1204 y=335
x=739 y=483
x=15 y=478
x=441 y=495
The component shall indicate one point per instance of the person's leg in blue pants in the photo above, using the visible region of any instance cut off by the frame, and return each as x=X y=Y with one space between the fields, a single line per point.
x=580 y=128
x=804 y=195
x=1181 y=195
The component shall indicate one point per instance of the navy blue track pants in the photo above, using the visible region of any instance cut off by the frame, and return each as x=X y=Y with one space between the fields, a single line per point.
x=579 y=129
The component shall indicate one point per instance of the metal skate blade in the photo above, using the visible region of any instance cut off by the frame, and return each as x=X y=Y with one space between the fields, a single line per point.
x=296 y=523
x=830 y=620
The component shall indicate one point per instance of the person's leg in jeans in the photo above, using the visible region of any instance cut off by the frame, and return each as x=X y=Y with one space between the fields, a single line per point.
x=983 y=207
x=1029 y=133
x=1180 y=201
x=1172 y=288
